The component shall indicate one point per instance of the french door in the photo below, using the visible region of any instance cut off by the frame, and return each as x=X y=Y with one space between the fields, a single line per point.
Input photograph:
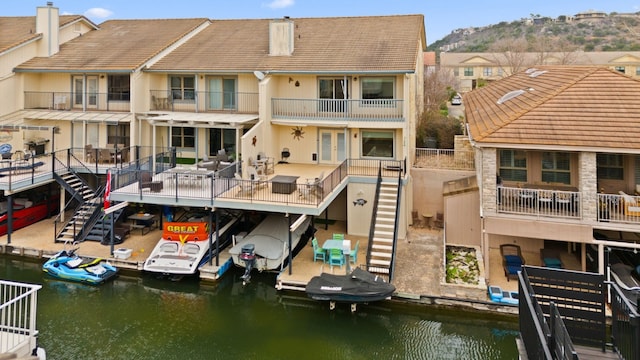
x=333 y=94
x=85 y=91
x=333 y=146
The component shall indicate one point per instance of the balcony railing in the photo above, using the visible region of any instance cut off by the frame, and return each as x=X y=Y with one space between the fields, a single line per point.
x=77 y=101
x=18 y=316
x=353 y=110
x=616 y=208
x=204 y=101
x=445 y=159
x=539 y=202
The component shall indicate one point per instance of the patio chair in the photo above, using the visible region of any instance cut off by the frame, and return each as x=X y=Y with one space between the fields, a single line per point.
x=246 y=186
x=258 y=180
x=338 y=236
x=104 y=156
x=336 y=257
x=318 y=252
x=545 y=198
x=353 y=254
x=550 y=258
x=268 y=162
x=512 y=260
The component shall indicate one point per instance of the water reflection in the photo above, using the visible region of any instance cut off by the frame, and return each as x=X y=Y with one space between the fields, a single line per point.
x=137 y=317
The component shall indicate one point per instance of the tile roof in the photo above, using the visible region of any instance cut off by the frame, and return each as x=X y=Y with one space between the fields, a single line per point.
x=117 y=45
x=16 y=30
x=570 y=106
x=376 y=43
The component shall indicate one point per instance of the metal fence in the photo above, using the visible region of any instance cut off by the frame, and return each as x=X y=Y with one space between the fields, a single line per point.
x=18 y=310
x=445 y=159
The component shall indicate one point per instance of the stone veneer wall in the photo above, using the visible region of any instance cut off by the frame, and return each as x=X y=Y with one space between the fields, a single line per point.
x=588 y=185
x=488 y=187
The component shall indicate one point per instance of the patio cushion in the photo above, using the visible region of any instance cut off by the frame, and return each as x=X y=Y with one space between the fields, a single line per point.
x=552 y=262
x=513 y=260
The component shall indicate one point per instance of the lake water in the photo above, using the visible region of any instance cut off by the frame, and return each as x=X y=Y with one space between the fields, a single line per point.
x=140 y=317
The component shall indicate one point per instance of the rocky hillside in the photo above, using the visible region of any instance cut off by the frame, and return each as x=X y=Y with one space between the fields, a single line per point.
x=613 y=32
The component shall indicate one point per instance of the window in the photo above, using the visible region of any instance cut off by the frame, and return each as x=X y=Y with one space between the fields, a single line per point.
x=378 y=144
x=500 y=72
x=610 y=166
x=119 y=87
x=513 y=165
x=555 y=167
x=377 y=88
x=222 y=139
x=332 y=93
x=487 y=71
x=456 y=72
x=222 y=93
x=183 y=137
x=183 y=87
x=118 y=134
x=468 y=71
x=637 y=70
x=620 y=69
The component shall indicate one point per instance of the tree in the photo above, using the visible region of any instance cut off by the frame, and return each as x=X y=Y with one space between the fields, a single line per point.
x=511 y=54
x=437 y=85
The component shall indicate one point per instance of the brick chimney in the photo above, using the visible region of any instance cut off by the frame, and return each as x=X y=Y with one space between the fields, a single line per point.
x=281 y=37
x=48 y=24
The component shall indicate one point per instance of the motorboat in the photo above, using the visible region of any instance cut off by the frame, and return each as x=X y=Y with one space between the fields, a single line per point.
x=496 y=294
x=27 y=210
x=269 y=240
x=359 y=286
x=67 y=265
x=185 y=246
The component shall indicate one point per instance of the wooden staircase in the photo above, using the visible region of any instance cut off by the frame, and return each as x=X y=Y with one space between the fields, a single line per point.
x=381 y=251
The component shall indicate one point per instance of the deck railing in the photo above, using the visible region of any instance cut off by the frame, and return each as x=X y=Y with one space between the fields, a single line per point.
x=18 y=310
x=204 y=101
x=54 y=100
x=538 y=202
x=349 y=109
x=445 y=159
x=616 y=208
x=625 y=325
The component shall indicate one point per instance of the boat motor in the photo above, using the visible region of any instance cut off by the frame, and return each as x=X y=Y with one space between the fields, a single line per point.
x=248 y=255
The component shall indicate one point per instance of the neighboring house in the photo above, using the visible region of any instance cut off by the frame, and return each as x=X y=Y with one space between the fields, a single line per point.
x=558 y=161
x=471 y=68
x=296 y=91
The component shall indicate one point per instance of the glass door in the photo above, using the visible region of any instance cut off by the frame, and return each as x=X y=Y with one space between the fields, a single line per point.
x=222 y=93
x=82 y=93
x=333 y=146
x=333 y=94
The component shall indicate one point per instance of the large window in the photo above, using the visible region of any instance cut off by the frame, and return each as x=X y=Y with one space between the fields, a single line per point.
x=119 y=87
x=183 y=137
x=556 y=167
x=610 y=166
x=183 y=87
x=468 y=71
x=378 y=144
x=222 y=139
x=487 y=71
x=513 y=165
x=377 y=88
x=118 y=134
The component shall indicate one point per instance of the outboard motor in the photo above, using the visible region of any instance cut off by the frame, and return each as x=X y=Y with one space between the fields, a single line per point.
x=248 y=255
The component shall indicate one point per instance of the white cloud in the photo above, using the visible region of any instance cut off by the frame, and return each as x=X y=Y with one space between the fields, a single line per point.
x=280 y=4
x=98 y=13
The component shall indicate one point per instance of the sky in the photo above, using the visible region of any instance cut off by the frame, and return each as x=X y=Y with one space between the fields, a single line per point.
x=441 y=17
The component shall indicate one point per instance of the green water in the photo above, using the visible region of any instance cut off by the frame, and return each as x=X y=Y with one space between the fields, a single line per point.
x=140 y=317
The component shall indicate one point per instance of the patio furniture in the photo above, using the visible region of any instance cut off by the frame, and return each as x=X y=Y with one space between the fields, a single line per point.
x=550 y=258
x=318 y=252
x=353 y=254
x=146 y=182
x=338 y=236
x=283 y=184
x=336 y=257
x=631 y=207
x=267 y=163
x=512 y=260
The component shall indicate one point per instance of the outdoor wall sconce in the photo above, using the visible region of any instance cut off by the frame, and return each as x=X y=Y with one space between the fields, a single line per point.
x=355 y=135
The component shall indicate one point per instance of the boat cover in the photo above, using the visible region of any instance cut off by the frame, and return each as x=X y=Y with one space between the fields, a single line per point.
x=359 y=286
x=271 y=236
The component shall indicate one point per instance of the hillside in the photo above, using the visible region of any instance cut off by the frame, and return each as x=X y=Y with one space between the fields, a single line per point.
x=612 y=32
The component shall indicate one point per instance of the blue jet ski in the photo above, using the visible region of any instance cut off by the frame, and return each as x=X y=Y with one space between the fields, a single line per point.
x=67 y=265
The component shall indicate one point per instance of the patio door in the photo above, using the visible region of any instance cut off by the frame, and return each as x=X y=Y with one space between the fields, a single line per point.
x=222 y=93
x=333 y=94
x=333 y=146
x=85 y=92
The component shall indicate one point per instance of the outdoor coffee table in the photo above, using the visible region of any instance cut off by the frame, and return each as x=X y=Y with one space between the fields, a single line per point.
x=283 y=184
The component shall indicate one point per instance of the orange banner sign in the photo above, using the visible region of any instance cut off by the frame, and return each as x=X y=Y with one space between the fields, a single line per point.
x=185 y=231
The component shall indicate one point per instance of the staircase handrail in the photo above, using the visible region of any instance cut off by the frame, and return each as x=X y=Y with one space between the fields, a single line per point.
x=90 y=221
x=373 y=213
x=395 y=227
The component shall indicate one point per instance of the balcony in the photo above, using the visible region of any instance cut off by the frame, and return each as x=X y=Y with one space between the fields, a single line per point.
x=352 y=110
x=204 y=101
x=536 y=200
x=34 y=100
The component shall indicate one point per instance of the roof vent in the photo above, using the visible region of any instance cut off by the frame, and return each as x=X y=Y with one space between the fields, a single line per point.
x=537 y=73
x=510 y=95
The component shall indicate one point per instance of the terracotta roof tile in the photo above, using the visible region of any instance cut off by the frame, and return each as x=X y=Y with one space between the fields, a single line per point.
x=117 y=45
x=377 y=43
x=16 y=30
x=571 y=106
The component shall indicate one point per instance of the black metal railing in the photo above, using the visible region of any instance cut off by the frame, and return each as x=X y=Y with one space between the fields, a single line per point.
x=625 y=324
x=85 y=101
x=204 y=101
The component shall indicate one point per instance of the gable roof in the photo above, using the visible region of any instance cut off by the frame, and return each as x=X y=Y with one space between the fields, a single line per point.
x=17 y=30
x=354 y=44
x=120 y=45
x=565 y=106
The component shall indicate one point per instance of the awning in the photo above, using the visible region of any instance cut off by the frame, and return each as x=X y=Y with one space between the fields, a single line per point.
x=20 y=119
x=181 y=119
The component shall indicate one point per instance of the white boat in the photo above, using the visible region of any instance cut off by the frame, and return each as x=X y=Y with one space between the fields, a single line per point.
x=270 y=240
x=184 y=246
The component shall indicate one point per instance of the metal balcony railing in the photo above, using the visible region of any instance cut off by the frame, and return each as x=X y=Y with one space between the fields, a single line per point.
x=538 y=202
x=204 y=101
x=445 y=159
x=354 y=110
x=54 y=100
x=18 y=309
